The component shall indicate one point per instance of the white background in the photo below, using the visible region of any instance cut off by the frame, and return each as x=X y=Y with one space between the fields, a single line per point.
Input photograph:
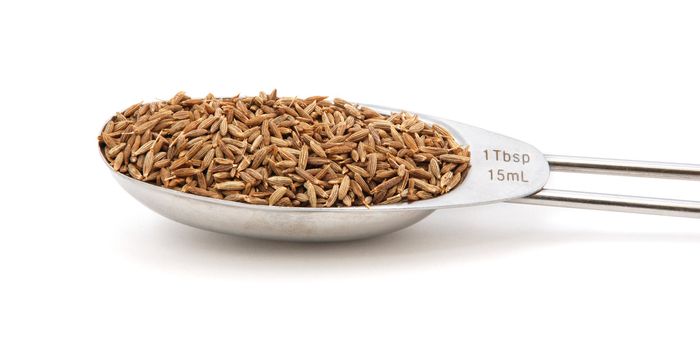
x=85 y=266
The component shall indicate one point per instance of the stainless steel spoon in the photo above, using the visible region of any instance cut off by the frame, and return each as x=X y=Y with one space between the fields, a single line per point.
x=502 y=170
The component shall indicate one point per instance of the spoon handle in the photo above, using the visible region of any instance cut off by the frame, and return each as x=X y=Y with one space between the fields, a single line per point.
x=601 y=201
x=624 y=167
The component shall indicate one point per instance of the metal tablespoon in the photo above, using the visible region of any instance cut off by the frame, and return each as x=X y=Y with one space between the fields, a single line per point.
x=502 y=170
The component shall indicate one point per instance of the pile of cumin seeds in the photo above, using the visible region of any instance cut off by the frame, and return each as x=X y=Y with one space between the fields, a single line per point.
x=284 y=151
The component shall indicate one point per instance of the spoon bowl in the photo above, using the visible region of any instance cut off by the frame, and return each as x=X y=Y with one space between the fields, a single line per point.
x=501 y=169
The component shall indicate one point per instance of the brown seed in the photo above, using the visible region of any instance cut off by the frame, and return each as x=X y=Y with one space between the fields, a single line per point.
x=131 y=110
x=117 y=163
x=392 y=200
x=179 y=163
x=245 y=162
x=358 y=135
x=434 y=168
x=303 y=157
x=461 y=168
x=352 y=110
x=302 y=197
x=339 y=150
x=222 y=175
x=230 y=186
x=417 y=127
x=253 y=200
x=448 y=167
x=433 y=150
x=445 y=179
x=362 y=153
x=279 y=181
x=386 y=185
x=185 y=172
x=453 y=182
x=316 y=147
x=134 y=172
x=333 y=196
x=383 y=174
x=453 y=158
x=145 y=126
x=311 y=192
x=372 y=165
x=202 y=192
x=344 y=187
x=163 y=163
x=356 y=189
x=116 y=149
x=144 y=148
x=409 y=142
x=256 y=143
x=423 y=195
x=361 y=181
x=401 y=170
x=259 y=156
x=148 y=163
x=357 y=170
x=427 y=187
x=277 y=195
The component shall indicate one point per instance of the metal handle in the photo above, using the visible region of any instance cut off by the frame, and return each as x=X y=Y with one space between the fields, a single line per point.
x=624 y=167
x=600 y=201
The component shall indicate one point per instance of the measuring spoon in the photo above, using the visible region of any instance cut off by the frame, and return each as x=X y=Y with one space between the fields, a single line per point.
x=502 y=169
